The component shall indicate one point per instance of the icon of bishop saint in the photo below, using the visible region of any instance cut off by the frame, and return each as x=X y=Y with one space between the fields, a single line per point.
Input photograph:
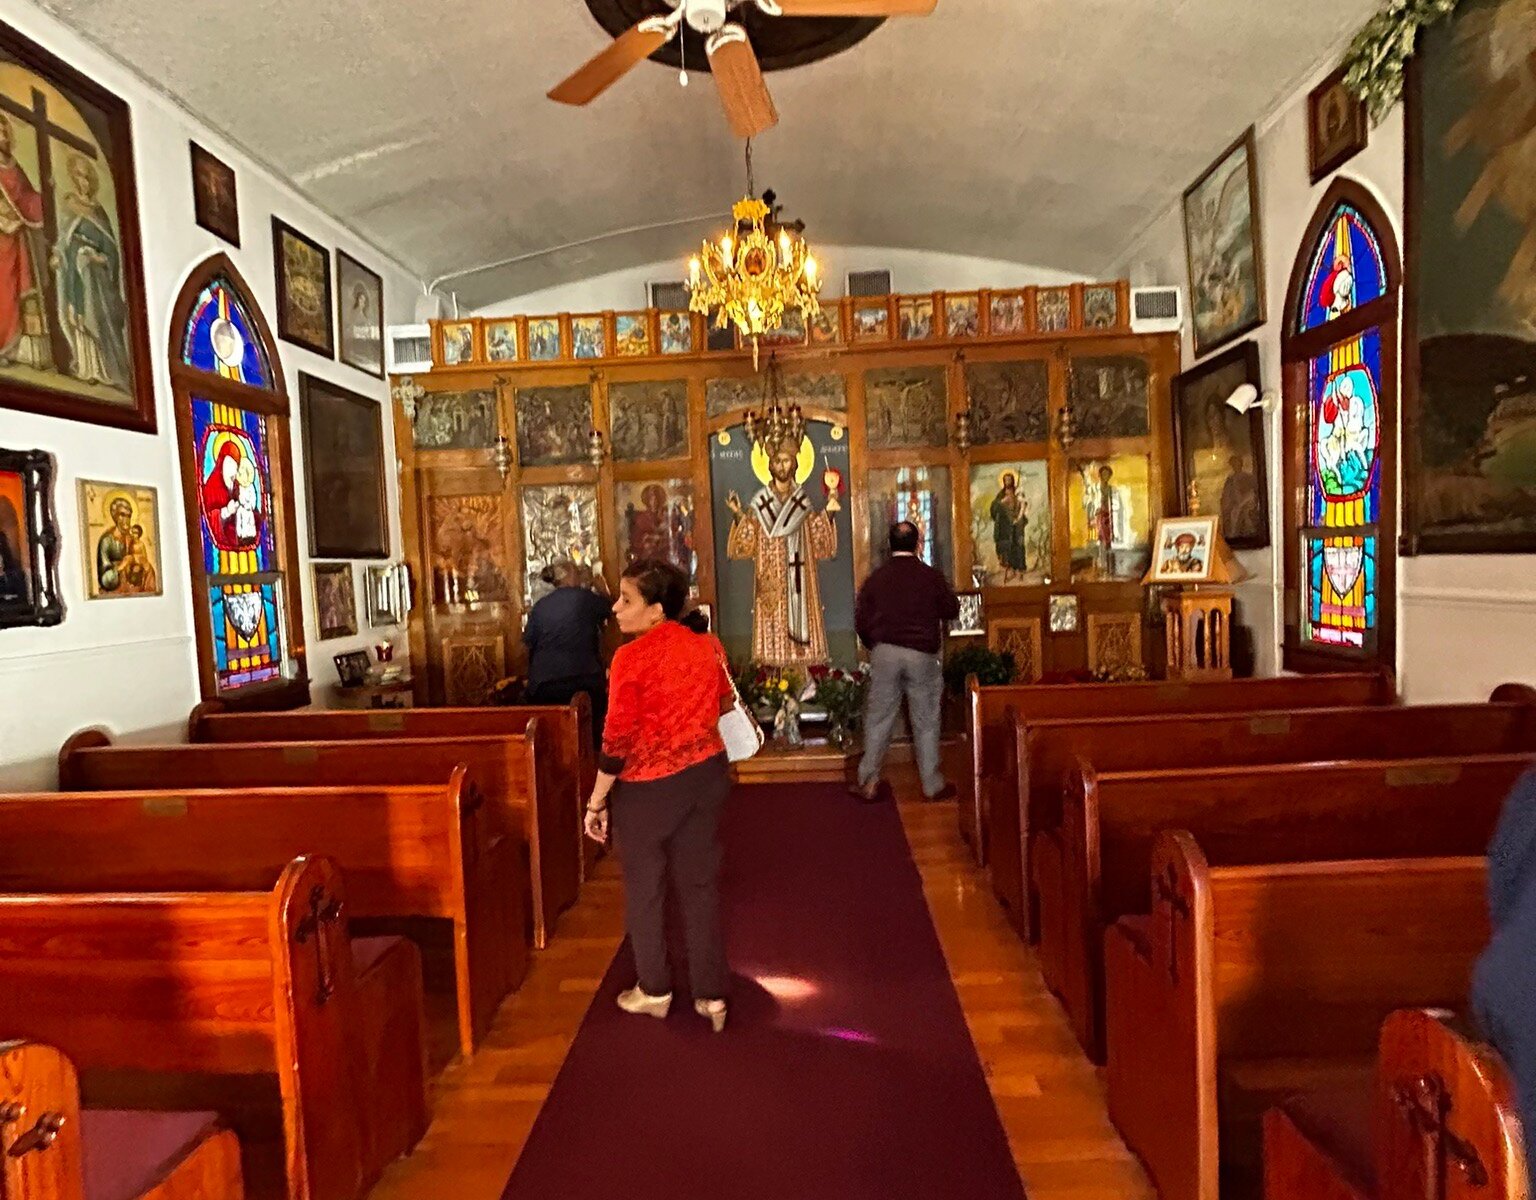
x=785 y=538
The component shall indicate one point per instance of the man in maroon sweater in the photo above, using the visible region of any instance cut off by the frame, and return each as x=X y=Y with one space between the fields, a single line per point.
x=900 y=616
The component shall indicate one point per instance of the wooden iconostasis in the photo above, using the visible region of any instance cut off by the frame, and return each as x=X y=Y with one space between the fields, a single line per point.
x=1046 y=413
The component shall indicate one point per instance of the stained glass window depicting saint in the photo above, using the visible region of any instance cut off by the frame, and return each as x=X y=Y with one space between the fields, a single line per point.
x=220 y=338
x=918 y=494
x=1343 y=487
x=1346 y=270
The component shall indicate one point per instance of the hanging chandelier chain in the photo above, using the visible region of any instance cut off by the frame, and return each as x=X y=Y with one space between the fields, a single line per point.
x=751 y=184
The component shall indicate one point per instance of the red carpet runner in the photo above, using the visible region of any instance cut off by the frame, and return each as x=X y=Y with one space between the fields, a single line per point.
x=847 y=1071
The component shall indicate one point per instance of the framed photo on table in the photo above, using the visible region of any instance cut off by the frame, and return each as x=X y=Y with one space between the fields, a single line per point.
x=1185 y=550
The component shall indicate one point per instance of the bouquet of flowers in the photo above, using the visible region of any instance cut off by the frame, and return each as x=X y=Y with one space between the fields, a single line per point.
x=841 y=693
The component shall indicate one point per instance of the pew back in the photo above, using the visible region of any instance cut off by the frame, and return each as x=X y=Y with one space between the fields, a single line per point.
x=568 y=728
x=1244 y=976
x=1272 y=813
x=409 y=851
x=989 y=726
x=1048 y=750
x=187 y=1155
x=241 y=983
x=522 y=788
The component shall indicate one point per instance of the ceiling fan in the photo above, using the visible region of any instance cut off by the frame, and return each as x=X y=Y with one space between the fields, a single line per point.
x=733 y=62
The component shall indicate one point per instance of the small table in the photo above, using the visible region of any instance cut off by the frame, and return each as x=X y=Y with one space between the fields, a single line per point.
x=397 y=693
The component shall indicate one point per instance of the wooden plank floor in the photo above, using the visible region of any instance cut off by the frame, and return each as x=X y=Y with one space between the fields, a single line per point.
x=1050 y=1097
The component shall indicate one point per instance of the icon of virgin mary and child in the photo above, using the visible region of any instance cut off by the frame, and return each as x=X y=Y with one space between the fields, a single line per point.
x=232 y=498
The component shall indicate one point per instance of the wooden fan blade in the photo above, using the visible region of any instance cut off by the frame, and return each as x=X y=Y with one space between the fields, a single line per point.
x=748 y=106
x=628 y=51
x=857 y=8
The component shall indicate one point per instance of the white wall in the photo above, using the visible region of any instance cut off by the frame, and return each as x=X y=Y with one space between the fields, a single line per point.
x=911 y=271
x=1464 y=623
x=129 y=665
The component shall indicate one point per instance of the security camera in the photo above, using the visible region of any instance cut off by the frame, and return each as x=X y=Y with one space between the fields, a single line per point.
x=1245 y=396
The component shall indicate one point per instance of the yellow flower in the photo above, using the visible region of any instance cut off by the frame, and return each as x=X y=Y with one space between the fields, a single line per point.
x=783 y=685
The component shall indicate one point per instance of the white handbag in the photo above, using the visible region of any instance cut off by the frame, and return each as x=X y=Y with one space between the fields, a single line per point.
x=739 y=730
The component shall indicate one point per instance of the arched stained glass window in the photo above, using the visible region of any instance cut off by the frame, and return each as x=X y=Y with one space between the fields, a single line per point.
x=1341 y=395
x=220 y=337
x=232 y=419
x=1347 y=270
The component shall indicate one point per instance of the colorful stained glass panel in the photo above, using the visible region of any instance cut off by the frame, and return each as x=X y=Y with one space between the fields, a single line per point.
x=1341 y=580
x=1344 y=434
x=221 y=338
x=247 y=633
x=1347 y=270
x=234 y=489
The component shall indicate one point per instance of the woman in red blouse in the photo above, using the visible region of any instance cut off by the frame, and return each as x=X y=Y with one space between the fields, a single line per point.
x=664 y=765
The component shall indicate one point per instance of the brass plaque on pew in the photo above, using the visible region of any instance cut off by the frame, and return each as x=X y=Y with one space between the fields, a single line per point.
x=1419 y=776
x=386 y=722
x=1270 y=726
x=300 y=756
x=165 y=806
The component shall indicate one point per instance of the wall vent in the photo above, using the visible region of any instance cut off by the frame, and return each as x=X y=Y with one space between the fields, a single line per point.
x=869 y=283
x=408 y=349
x=1157 y=310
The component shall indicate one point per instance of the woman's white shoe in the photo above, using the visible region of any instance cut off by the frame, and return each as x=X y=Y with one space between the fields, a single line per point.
x=712 y=1011
x=636 y=1001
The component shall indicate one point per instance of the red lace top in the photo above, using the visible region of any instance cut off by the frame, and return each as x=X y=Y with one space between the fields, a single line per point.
x=666 y=691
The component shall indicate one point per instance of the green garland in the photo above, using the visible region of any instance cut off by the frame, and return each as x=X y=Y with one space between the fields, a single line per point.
x=1375 y=60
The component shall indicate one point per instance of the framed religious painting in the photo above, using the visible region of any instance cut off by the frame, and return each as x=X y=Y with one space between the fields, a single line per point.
x=344 y=471
x=1223 y=248
x=826 y=327
x=589 y=337
x=120 y=539
x=1338 y=127
x=215 y=199
x=29 y=541
x=1006 y=314
x=1053 y=309
x=458 y=343
x=335 y=600
x=1184 y=550
x=552 y=425
x=1111 y=396
x=1101 y=306
x=1063 y=613
x=74 y=338
x=1010 y=523
x=1109 y=511
x=559 y=523
x=544 y=341
x=456 y=421
x=501 y=341
x=921 y=494
x=632 y=334
x=351 y=668
x=871 y=321
x=648 y=420
x=303 y=289
x=790 y=330
x=905 y=407
x=962 y=315
x=914 y=318
x=676 y=332
x=970 y=622
x=1220 y=451
x=360 y=315
x=656 y=521
x=1469 y=370
x=1008 y=401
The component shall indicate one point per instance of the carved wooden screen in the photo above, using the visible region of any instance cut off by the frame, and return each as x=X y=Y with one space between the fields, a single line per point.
x=237 y=483
x=1340 y=438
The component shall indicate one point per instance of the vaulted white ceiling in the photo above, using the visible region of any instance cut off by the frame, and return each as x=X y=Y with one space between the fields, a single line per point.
x=1042 y=131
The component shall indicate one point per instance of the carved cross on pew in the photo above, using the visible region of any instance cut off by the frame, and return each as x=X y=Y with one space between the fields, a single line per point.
x=324 y=914
x=1426 y=1103
x=1168 y=893
x=46 y=129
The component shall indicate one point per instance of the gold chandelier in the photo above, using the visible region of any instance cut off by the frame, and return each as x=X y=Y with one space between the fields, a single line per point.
x=751 y=278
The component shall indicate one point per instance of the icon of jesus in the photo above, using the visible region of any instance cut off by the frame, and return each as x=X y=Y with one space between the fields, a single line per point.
x=785 y=538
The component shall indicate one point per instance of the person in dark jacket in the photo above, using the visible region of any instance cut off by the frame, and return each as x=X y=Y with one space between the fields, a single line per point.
x=900 y=614
x=564 y=636
x=1504 y=980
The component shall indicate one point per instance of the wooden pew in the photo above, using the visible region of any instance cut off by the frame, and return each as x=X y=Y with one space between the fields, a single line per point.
x=1246 y=983
x=55 y=1150
x=994 y=786
x=1438 y=1095
x=1285 y=812
x=223 y=988
x=408 y=852
x=568 y=727
x=522 y=788
x=1048 y=749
